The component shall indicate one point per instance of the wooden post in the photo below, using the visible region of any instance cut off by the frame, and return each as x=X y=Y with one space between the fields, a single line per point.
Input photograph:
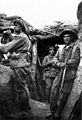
x=33 y=68
x=34 y=60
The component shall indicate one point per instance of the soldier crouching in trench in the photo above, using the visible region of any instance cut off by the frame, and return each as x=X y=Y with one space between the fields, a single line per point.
x=67 y=61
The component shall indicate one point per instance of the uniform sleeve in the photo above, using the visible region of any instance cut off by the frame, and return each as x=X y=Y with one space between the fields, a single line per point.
x=27 y=39
x=45 y=62
x=75 y=57
x=56 y=59
x=6 y=47
x=2 y=49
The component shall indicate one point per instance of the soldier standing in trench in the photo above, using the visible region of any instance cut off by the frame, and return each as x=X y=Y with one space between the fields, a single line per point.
x=49 y=71
x=18 y=49
x=67 y=60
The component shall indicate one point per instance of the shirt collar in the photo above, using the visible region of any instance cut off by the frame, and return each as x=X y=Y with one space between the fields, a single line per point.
x=69 y=46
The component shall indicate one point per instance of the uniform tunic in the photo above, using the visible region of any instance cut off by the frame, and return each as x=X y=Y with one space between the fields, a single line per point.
x=49 y=73
x=72 y=53
x=18 y=49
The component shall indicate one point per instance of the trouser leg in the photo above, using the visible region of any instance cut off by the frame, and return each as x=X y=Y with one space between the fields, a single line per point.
x=53 y=102
x=48 y=88
x=54 y=95
x=67 y=86
x=62 y=102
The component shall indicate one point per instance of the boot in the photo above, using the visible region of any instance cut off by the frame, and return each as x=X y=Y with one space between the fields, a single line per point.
x=47 y=95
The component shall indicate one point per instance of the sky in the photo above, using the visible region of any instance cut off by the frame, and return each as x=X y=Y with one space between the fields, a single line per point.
x=41 y=12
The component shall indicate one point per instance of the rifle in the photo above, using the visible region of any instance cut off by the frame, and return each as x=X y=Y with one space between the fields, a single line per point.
x=62 y=81
x=64 y=72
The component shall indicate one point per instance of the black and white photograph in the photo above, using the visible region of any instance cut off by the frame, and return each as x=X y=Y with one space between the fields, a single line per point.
x=40 y=60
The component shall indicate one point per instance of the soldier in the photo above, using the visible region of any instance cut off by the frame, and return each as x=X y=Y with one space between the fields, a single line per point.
x=18 y=49
x=67 y=61
x=49 y=71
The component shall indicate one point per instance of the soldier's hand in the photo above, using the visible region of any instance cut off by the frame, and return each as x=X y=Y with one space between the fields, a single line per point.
x=62 y=65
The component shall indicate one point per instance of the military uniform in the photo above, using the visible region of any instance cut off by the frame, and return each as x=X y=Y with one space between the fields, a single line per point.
x=72 y=53
x=18 y=49
x=49 y=74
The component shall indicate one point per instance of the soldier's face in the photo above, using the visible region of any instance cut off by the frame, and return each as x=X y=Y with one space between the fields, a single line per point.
x=17 y=27
x=67 y=38
x=51 y=51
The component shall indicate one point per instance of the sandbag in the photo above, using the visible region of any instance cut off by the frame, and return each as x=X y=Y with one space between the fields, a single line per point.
x=2 y=15
x=12 y=17
x=4 y=22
